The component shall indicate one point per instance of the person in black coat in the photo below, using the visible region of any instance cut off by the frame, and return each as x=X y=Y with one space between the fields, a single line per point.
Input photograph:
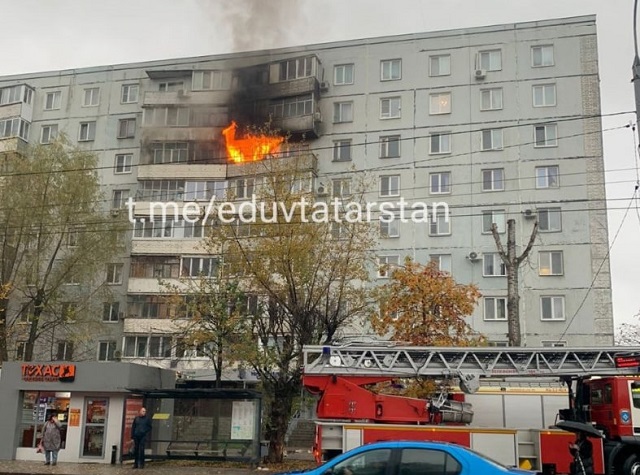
x=139 y=429
x=582 y=451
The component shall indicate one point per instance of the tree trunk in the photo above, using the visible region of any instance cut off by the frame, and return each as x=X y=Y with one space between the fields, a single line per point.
x=4 y=351
x=218 y=368
x=513 y=296
x=278 y=416
x=38 y=307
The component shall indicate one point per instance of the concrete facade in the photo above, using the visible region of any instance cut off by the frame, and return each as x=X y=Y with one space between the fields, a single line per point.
x=499 y=122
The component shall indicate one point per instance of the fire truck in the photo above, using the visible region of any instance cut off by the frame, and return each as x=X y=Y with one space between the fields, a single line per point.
x=603 y=388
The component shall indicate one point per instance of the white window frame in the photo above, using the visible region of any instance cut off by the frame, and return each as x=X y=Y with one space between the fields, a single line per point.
x=342 y=150
x=548 y=142
x=546 y=261
x=389 y=228
x=119 y=198
x=546 y=180
x=110 y=310
x=129 y=93
x=56 y=100
x=107 y=348
x=89 y=129
x=392 y=183
x=542 y=90
x=341 y=187
x=387 y=67
x=387 y=145
x=123 y=163
x=493 y=97
x=443 y=187
x=495 y=317
x=552 y=214
x=114 y=274
x=440 y=103
x=129 y=126
x=341 y=73
x=390 y=108
x=550 y=60
x=440 y=61
x=490 y=60
x=439 y=143
x=48 y=133
x=491 y=140
x=555 y=301
x=443 y=261
x=497 y=216
x=211 y=80
x=497 y=183
x=91 y=97
x=439 y=225
x=386 y=265
x=492 y=265
x=342 y=112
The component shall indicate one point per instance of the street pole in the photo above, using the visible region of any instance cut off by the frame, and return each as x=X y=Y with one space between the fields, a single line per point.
x=636 y=63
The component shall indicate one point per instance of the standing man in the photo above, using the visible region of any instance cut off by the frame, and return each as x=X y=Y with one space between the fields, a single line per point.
x=582 y=451
x=139 y=429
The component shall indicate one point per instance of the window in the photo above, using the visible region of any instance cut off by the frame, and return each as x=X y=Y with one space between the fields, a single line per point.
x=490 y=60
x=65 y=351
x=493 y=179
x=341 y=187
x=544 y=95
x=87 y=131
x=489 y=218
x=549 y=220
x=73 y=236
x=542 y=56
x=194 y=230
x=495 y=308
x=244 y=188
x=390 y=185
x=129 y=94
x=296 y=68
x=126 y=128
x=389 y=228
x=390 y=108
x=428 y=461
x=443 y=261
x=160 y=347
x=71 y=279
x=49 y=133
x=491 y=140
x=552 y=308
x=135 y=346
x=297 y=106
x=68 y=311
x=390 y=69
x=170 y=86
x=15 y=126
x=553 y=343
x=211 y=80
x=153 y=229
x=545 y=135
x=550 y=263
x=110 y=312
x=338 y=230
x=199 y=267
x=547 y=177
x=52 y=100
x=440 y=103
x=170 y=152
x=492 y=265
x=386 y=265
x=440 y=143
x=440 y=65
x=106 y=351
x=343 y=74
x=342 y=150
x=342 y=112
x=91 y=97
x=114 y=273
x=166 y=116
x=440 y=183
x=390 y=146
x=123 y=163
x=119 y=198
x=491 y=99
x=439 y=225
x=10 y=95
x=204 y=190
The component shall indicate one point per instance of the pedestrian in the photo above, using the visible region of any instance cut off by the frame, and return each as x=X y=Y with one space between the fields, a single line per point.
x=51 y=439
x=139 y=429
x=582 y=451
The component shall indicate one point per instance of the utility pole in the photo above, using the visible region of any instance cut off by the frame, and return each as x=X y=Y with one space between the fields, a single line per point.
x=636 y=63
x=512 y=263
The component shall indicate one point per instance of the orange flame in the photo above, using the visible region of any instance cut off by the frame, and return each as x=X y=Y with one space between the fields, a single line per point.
x=251 y=148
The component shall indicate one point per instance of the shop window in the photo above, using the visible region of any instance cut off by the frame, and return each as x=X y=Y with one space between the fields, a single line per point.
x=37 y=406
x=95 y=424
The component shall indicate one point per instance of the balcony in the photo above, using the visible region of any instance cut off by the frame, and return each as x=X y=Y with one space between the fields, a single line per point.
x=169 y=246
x=300 y=160
x=186 y=98
x=17 y=101
x=169 y=133
x=153 y=286
x=295 y=87
x=13 y=145
x=181 y=171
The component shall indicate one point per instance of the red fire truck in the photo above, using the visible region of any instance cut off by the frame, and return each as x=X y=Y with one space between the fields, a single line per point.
x=603 y=385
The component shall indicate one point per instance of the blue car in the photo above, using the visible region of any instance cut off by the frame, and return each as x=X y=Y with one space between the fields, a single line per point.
x=412 y=458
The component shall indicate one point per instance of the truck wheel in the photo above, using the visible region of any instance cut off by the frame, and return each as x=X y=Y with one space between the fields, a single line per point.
x=631 y=465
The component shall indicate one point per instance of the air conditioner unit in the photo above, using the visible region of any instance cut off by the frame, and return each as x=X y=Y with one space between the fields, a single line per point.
x=115 y=212
x=322 y=190
x=317 y=116
x=529 y=213
x=181 y=93
x=473 y=256
x=480 y=73
x=324 y=86
x=117 y=354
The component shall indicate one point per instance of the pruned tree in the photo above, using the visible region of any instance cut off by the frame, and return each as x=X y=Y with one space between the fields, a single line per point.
x=512 y=263
x=309 y=273
x=55 y=244
x=627 y=334
x=424 y=306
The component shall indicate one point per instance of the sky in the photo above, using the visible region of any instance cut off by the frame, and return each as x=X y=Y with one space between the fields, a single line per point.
x=41 y=35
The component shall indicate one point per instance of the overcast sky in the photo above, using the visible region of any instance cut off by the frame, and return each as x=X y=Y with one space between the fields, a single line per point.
x=61 y=34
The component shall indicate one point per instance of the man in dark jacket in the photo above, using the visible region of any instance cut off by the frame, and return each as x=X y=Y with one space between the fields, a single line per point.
x=582 y=451
x=139 y=429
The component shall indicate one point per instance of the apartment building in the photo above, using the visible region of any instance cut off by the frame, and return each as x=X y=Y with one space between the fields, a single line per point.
x=499 y=122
